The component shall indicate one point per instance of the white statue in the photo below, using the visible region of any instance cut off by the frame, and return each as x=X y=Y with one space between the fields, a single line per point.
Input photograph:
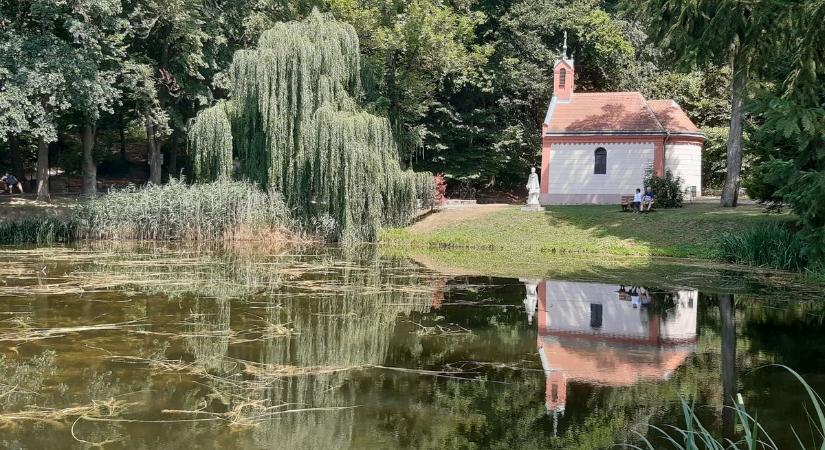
x=531 y=298
x=533 y=188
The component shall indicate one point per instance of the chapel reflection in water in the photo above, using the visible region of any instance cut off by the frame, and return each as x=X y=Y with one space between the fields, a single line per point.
x=608 y=335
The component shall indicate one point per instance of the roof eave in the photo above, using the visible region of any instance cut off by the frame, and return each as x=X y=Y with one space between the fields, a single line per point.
x=625 y=133
x=607 y=132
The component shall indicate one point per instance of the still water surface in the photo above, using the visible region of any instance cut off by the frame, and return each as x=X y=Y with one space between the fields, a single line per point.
x=169 y=348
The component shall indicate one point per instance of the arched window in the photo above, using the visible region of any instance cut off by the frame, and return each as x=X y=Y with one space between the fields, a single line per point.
x=562 y=77
x=600 y=163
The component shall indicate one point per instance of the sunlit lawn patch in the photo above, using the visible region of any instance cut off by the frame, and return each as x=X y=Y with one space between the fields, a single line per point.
x=687 y=232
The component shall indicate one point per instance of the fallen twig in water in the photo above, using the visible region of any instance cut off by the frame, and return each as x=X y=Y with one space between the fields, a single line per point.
x=33 y=334
x=240 y=415
x=462 y=365
x=452 y=329
x=109 y=407
x=274 y=371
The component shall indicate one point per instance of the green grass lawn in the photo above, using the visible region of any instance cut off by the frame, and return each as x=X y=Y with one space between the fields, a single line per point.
x=689 y=232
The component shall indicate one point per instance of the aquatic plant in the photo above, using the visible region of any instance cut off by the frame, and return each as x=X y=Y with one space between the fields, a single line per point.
x=37 y=230
x=296 y=128
x=695 y=436
x=772 y=245
x=220 y=210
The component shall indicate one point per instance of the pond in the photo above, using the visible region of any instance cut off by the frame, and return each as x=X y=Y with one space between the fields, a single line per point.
x=167 y=348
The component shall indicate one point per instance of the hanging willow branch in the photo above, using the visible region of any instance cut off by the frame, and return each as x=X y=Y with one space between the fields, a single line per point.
x=211 y=138
x=296 y=128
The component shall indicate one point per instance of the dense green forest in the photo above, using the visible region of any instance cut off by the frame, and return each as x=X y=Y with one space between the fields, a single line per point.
x=463 y=83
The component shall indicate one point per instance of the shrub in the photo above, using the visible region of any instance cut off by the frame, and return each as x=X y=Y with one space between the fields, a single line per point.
x=440 y=189
x=774 y=245
x=805 y=193
x=668 y=189
x=765 y=181
x=209 y=211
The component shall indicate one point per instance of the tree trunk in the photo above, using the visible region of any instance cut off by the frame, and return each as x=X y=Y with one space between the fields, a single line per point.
x=730 y=192
x=42 y=170
x=173 y=155
x=728 y=350
x=154 y=156
x=89 y=166
x=394 y=96
x=122 y=135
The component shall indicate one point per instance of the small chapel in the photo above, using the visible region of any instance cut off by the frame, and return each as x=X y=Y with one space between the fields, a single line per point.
x=597 y=147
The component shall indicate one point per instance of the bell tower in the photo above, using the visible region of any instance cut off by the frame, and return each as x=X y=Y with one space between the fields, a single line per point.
x=563 y=74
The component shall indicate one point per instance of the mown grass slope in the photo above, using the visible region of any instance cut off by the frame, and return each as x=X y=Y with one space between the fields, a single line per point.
x=689 y=232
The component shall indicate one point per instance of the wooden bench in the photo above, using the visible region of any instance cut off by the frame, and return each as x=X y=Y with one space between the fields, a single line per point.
x=74 y=185
x=627 y=203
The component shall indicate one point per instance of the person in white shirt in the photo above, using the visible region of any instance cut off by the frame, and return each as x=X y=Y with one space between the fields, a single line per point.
x=637 y=200
x=634 y=297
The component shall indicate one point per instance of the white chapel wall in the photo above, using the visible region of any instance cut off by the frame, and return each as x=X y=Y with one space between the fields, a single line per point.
x=572 y=179
x=685 y=161
x=682 y=319
x=567 y=305
x=568 y=310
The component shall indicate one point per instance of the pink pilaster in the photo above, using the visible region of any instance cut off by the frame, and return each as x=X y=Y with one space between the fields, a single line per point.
x=659 y=157
x=545 y=165
x=542 y=308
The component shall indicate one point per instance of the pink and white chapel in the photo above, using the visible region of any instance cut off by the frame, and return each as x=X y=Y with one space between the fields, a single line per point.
x=596 y=147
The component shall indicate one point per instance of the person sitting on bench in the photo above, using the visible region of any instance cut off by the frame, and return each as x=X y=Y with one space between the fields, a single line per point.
x=637 y=201
x=12 y=182
x=648 y=199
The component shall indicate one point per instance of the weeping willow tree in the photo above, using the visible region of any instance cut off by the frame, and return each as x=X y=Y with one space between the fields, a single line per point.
x=295 y=127
x=211 y=134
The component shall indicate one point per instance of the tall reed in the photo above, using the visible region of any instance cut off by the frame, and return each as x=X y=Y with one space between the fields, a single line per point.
x=695 y=436
x=775 y=245
x=37 y=230
x=177 y=211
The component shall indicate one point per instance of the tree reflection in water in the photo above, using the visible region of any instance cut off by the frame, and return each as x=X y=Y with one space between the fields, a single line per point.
x=257 y=337
x=222 y=344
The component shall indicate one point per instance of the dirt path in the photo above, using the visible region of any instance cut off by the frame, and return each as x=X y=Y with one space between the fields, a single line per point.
x=451 y=215
x=16 y=207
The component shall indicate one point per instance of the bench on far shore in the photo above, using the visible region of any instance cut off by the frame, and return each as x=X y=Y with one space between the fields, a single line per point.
x=627 y=204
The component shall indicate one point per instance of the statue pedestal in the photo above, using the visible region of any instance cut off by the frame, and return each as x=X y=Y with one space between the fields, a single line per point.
x=533 y=208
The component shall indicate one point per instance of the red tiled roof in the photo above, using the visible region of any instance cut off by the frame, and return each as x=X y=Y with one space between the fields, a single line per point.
x=604 y=111
x=672 y=117
x=616 y=111
x=612 y=366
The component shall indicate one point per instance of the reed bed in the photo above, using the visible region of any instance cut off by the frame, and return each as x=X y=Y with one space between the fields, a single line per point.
x=219 y=211
x=771 y=246
x=38 y=230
